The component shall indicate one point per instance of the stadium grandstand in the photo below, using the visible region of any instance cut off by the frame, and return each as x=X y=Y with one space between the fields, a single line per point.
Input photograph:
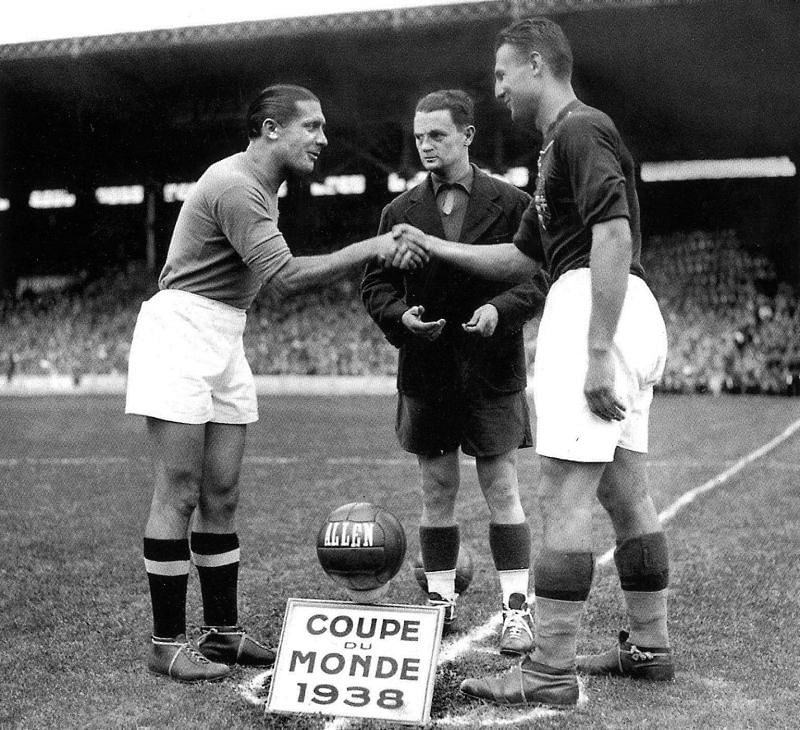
x=101 y=136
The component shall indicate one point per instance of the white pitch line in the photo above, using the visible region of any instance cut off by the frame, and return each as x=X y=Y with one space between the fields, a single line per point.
x=453 y=651
x=370 y=461
x=257 y=460
x=462 y=645
x=533 y=714
x=338 y=723
x=688 y=497
x=250 y=690
x=333 y=460
x=65 y=460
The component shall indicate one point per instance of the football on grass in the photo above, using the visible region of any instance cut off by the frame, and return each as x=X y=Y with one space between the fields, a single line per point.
x=362 y=547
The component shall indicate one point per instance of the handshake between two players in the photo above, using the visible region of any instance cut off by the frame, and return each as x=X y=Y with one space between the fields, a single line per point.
x=409 y=249
x=405 y=248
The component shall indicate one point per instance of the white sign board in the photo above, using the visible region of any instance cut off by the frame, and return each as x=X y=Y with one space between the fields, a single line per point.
x=357 y=660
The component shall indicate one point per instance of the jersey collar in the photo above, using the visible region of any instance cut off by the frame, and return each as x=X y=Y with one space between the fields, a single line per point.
x=565 y=111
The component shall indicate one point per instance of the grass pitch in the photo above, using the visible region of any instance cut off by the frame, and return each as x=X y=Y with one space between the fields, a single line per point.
x=74 y=492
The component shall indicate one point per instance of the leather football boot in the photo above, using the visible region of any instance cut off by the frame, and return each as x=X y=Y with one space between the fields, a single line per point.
x=178 y=659
x=233 y=645
x=628 y=660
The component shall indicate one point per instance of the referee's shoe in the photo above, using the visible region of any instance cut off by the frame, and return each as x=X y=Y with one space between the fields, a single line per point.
x=628 y=660
x=516 y=638
x=449 y=605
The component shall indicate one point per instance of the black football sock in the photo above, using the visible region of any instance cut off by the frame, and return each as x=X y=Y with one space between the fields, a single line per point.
x=510 y=545
x=216 y=557
x=439 y=547
x=167 y=566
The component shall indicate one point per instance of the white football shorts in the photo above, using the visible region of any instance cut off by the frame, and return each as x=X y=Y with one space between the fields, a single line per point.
x=187 y=362
x=565 y=427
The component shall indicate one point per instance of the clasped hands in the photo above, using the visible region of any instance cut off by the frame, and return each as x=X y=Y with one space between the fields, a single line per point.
x=406 y=248
x=410 y=249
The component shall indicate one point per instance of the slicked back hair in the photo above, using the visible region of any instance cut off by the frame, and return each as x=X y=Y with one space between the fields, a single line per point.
x=459 y=103
x=544 y=36
x=278 y=102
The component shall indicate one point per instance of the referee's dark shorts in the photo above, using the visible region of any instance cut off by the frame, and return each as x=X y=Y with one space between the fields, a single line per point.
x=480 y=424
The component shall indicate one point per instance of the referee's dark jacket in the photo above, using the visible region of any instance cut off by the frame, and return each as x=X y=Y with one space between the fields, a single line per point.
x=455 y=360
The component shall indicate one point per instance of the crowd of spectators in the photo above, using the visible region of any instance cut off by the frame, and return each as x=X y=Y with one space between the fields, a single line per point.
x=323 y=332
x=732 y=325
x=84 y=328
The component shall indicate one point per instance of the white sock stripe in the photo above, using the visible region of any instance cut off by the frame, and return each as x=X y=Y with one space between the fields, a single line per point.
x=442 y=582
x=167 y=567
x=514 y=581
x=216 y=560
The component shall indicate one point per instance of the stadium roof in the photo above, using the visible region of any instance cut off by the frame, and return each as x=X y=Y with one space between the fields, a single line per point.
x=88 y=24
x=682 y=78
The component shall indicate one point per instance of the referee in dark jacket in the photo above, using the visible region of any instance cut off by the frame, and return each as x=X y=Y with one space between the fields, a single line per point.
x=462 y=368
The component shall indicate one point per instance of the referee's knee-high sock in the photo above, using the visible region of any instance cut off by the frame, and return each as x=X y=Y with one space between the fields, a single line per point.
x=439 y=547
x=167 y=566
x=562 y=582
x=510 y=545
x=216 y=557
x=643 y=566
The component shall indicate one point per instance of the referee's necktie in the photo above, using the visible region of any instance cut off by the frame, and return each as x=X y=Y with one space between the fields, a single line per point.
x=448 y=200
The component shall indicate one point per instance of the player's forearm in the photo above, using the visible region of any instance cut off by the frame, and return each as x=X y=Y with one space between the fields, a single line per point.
x=500 y=262
x=610 y=264
x=304 y=272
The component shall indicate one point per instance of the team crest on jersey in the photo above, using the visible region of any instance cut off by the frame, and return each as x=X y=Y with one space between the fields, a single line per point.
x=540 y=201
x=539 y=194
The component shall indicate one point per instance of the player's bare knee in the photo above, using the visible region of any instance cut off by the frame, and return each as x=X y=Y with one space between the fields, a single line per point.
x=609 y=498
x=503 y=502
x=439 y=501
x=439 y=485
x=550 y=504
x=180 y=488
x=219 y=501
x=628 y=502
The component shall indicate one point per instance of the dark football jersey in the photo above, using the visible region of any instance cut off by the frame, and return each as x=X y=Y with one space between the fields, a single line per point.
x=585 y=176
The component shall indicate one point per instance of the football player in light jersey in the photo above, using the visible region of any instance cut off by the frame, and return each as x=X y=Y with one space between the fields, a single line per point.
x=601 y=347
x=188 y=373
